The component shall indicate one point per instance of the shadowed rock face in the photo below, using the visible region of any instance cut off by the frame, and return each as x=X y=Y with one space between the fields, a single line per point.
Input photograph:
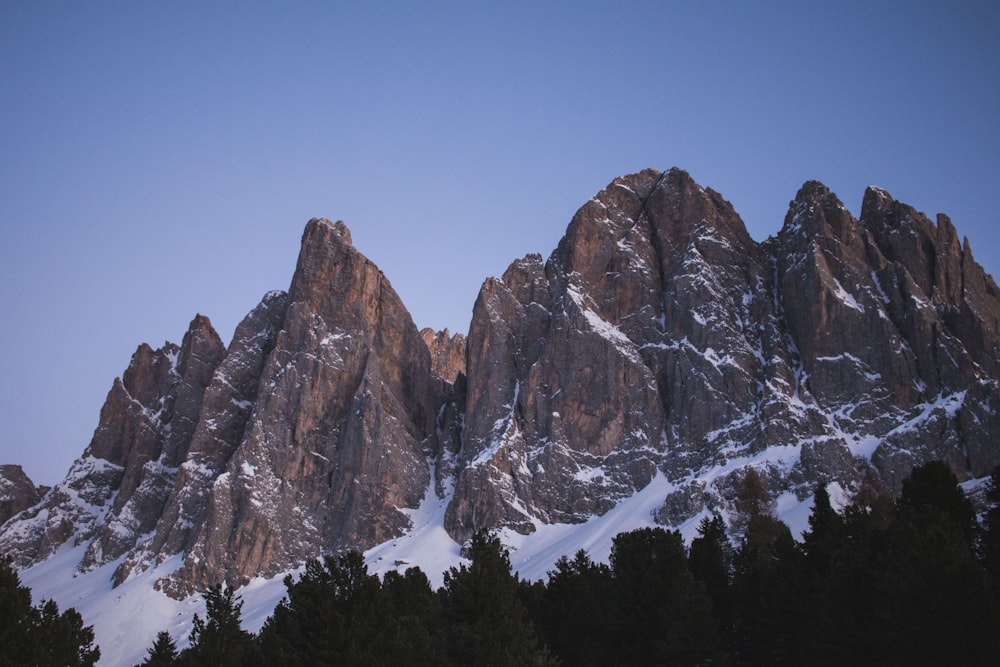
x=660 y=337
x=657 y=339
x=17 y=491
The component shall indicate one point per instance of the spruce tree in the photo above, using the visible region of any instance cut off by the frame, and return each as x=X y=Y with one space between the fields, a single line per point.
x=711 y=562
x=581 y=636
x=661 y=614
x=163 y=652
x=485 y=621
x=218 y=640
x=332 y=615
x=40 y=636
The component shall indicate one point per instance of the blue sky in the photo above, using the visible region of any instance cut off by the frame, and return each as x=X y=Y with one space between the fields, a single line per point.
x=161 y=159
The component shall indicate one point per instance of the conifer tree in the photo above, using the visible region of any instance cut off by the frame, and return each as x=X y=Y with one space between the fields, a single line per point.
x=662 y=615
x=486 y=622
x=934 y=487
x=990 y=540
x=766 y=627
x=410 y=625
x=40 y=636
x=826 y=531
x=218 y=640
x=332 y=615
x=163 y=652
x=710 y=560
x=581 y=637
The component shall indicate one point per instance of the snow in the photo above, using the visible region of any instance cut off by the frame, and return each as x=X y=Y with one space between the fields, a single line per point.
x=605 y=329
x=949 y=404
x=126 y=619
x=846 y=297
x=427 y=544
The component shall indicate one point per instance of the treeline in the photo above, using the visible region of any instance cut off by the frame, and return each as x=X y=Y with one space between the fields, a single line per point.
x=905 y=582
x=912 y=581
x=40 y=636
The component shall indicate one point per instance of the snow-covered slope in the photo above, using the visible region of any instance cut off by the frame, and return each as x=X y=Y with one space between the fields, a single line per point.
x=127 y=618
x=628 y=380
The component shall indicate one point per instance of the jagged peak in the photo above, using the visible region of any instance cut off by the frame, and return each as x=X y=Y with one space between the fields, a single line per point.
x=640 y=183
x=529 y=265
x=338 y=227
x=201 y=328
x=817 y=211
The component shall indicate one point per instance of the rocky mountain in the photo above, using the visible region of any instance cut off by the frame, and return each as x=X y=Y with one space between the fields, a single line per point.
x=659 y=341
x=17 y=491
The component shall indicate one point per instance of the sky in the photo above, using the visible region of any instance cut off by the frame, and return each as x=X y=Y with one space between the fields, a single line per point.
x=161 y=159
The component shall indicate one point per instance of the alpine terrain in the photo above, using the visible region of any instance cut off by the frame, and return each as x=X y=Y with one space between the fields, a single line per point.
x=627 y=380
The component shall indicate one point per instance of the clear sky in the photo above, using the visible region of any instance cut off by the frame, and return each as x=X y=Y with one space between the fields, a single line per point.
x=160 y=159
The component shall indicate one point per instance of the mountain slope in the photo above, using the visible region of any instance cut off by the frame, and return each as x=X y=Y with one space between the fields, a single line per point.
x=627 y=379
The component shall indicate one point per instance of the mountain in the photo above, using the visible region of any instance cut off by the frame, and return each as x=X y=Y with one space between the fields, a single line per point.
x=630 y=377
x=17 y=491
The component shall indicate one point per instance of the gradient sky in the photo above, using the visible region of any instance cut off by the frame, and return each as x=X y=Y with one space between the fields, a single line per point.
x=160 y=159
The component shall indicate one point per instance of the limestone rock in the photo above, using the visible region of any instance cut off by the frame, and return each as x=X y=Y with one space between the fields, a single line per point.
x=447 y=353
x=17 y=491
x=341 y=433
x=657 y=340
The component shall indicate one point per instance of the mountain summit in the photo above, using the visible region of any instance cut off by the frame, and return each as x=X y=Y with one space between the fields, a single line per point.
x=658 y=341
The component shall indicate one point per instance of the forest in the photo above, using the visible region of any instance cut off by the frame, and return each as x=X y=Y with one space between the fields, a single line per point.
x=905 y=581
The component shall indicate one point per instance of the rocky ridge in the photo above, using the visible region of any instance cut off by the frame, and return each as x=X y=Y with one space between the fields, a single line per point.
x=657 y=340
x=17 y=491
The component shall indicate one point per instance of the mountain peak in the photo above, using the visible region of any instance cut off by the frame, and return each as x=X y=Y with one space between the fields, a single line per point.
x=655 y=355
x=338 y=228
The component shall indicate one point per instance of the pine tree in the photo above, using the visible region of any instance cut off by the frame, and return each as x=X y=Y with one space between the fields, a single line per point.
x=18 y=619
x=338 y=613
x=990 y=539
x=934 y=487
x=753 y=498
x=661 y=614
x=411 y=620
x=710 y=560
x=766 y=626
x=486 y=622
x=826 y=531
x=218 y=640
x=40 y=636
x=583 y=636
x=163 y=652
x=941 y=607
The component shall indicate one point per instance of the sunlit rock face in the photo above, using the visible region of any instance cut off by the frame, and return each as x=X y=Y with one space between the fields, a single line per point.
x=657 y=340
x=660 y=337
x=342 y=433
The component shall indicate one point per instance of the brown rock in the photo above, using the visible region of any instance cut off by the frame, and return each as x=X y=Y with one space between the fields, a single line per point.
x=17 y=491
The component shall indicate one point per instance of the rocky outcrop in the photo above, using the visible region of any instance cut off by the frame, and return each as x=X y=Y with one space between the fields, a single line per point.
x=658 y=340
x=17 y=491
x=341 y=433
x=659 y=337
x=447 y=353
x=114 y=494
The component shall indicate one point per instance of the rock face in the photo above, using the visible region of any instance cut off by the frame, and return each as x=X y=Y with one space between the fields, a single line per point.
x=341 y=436
x=17 y=491
x=658 y=339
x=447 y=353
